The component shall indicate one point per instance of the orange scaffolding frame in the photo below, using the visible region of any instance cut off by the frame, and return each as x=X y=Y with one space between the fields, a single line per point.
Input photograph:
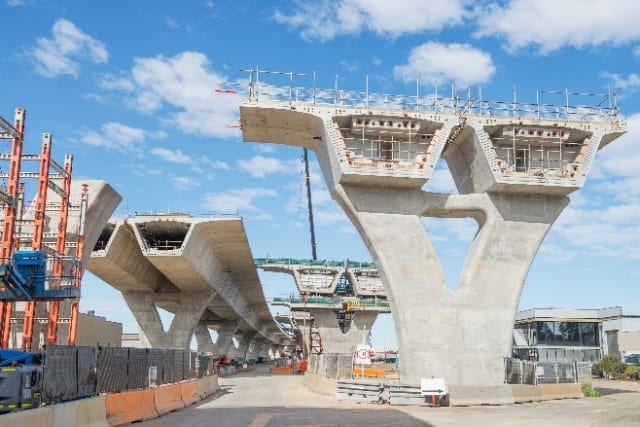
x=9 y=242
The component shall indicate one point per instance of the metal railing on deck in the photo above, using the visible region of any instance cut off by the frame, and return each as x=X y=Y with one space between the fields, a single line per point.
x=268 y=86
x=309 y=262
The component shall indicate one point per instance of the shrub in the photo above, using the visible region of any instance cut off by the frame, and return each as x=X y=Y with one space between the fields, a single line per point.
x=589 y=391
x=632 y=372
x=609 y=365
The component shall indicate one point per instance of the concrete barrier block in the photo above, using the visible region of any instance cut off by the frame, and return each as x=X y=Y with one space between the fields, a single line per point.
x=167 y=398
x=326 y=386
x=560 y=391
x=81 y=413
x=203 y=386
x=480 y=395
x=130 y=406
x=189 y=393
x=40 y=417
x=523 y=393
x=213 y=384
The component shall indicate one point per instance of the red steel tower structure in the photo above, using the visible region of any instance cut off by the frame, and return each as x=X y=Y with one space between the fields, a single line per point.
x=35 y=268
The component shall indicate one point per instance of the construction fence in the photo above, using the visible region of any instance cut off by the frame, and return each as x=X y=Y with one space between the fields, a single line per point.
x=77 y=372
x=533 y=373
x=331 y=365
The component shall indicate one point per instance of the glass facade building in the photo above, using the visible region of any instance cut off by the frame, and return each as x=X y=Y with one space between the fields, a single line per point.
x=558 y=335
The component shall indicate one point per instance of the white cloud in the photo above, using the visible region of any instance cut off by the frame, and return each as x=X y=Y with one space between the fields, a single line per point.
x=236 y=200
x=329 y=217
x=551 y=24
x=619 y=82
x=171 y=156
x=183 y=182
x=183 y=88
x=611 y=228
x=60 y=55
x=326 y=19
x=119 y=137
x=116 y=82
x=215 y=164
x=437 y=63
x=622 y=157
x=259 y=166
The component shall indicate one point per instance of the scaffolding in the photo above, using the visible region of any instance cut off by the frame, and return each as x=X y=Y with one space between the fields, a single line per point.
x=35 y=268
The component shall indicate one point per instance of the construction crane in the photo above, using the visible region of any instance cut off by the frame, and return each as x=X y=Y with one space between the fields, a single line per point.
x=32 y=271
x=307 y=179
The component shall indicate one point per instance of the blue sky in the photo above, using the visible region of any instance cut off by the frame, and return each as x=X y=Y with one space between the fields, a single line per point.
x=129 y=89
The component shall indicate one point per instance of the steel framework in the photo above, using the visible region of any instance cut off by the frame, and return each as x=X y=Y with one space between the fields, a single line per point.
x=34 y=267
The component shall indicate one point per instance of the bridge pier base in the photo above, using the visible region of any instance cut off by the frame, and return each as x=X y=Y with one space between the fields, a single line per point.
x=187 y=308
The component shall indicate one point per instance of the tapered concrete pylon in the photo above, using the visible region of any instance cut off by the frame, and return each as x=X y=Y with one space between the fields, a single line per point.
x=464 y=334
x=334 y=339
x=187 y=308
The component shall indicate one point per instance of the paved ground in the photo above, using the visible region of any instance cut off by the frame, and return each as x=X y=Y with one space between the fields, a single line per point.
x=257 y=399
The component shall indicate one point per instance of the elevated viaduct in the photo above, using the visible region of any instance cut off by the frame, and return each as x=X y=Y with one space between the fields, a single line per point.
x=201 y=270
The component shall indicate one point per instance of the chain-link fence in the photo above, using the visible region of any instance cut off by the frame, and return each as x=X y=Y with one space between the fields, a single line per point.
x=75 y=372
x=584 y=372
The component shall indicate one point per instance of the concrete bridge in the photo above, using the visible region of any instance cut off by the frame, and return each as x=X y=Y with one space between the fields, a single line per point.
x=201 y=270
x=513 y=165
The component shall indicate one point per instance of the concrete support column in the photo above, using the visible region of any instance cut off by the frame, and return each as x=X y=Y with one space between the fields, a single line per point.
x=304 y=328
x=224 y=342
x=187 y=308
x=460 y=335
x=258 y=349
x=243 y=345
x=203 y=338
x=336 y=341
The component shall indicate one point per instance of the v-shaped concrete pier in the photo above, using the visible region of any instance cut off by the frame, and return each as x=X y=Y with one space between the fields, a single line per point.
x=513 y=165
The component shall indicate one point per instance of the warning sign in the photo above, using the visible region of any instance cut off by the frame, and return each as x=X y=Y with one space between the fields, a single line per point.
x=363 y=354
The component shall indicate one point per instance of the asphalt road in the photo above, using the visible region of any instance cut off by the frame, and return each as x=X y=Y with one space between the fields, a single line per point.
x=257 y=399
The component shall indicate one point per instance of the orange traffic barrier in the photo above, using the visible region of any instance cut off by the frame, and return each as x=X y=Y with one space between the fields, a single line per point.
x=167 y=398
x=130 y=406
x=284 y=370
x=189 y=393
x=369 y=372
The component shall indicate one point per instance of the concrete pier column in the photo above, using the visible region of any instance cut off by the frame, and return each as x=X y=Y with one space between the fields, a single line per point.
x=304 y=328
x=203 y=338
x=243 y=345
x=187 y=308
x=460 y=335
x=334 y=340
x=259 y=348
x=224 y=342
